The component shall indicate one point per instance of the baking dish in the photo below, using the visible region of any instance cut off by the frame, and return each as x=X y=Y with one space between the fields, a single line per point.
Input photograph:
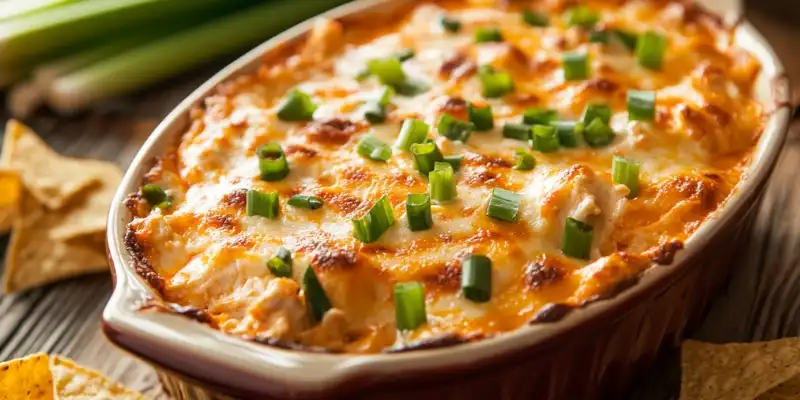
x=593 y=352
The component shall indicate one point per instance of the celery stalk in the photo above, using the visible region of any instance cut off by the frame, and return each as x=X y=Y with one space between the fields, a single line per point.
x=11 y=9
x=38 y=34
x=172 y=55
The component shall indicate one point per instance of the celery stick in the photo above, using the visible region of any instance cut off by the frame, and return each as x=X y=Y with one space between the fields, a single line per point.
x=11 y=9
x=36 y=35
x=170 y=56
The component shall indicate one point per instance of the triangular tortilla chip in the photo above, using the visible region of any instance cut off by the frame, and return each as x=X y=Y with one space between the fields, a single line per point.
x=86 y=214
x=737 y=371
x=50 y=177
x=26 y=378
x=34 y=259
x=9 y=196
x=73 y=381
x=789 y=390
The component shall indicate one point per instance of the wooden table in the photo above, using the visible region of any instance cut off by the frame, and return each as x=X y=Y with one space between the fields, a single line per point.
x=762 y=301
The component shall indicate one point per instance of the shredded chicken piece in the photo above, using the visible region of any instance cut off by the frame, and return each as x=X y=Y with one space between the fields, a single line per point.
x=331 y=332
x=280 y=313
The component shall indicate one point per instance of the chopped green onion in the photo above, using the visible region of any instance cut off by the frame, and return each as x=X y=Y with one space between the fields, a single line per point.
x=534 y=18
x=628 y=39
x=504 y=205
x=539 y=116
x=523 y=160
x=263 y=204
x=156 y=196
x=582 y=16
x=316 y=298
x=297 y=106
x=598 y=134
x=404 y=55
x=650 y=50
x=411 y=88
x=481 y=117
x=418 y=211
x=409 y=305
x=626 y=172
x=476 y=278
x=596 y=110
x=388 y=70
x=372 y=148
x=412 y=131
x=373 y=112
x=272 y=162
x=371 y=226
x=454 y=161
x=450 y=24
x=305 y=201
x=384 y=96
x=281 y=264
x=641 y=105
x=442 y=182
x=426 y=155
x=486 y=35
x=363 y=74
x=544 y=138
x=576 y=66
x=495 y=83
x=577 y=240
x=598 y=37
x=454 y=129
x=567 y=132
x=516 y=131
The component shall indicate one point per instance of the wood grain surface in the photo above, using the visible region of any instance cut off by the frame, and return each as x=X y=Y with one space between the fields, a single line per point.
x=761 y=302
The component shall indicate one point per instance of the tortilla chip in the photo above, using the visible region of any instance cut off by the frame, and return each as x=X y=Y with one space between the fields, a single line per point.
x=26 y=378
x=34 y=259
x=789 y=390
x=86 y=214
x=738 y=371
x=73 y=381
x=50 y=177
x=9 y=196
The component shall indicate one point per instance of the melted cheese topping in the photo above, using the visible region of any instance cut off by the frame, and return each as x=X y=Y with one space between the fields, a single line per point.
x=208 y=255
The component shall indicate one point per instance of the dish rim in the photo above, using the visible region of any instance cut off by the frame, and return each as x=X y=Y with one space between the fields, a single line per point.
x=261 y=368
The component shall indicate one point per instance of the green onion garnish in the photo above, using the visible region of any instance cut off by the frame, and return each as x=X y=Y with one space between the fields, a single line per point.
x=598 y=37
x=628 y=39
x=534 y=18
x=454 y=129
x=476 y=278
x=625 y=171
x=412 y=131
x=577 y=240
x=523 y=160
x=371 y=226
x=281 y=264
x=516 y=131
x=650 y=50
x=481 y=117
x=372 y=148
x=442 y=182
x=576 y=66
x=495 y=83
x=582 y=16
x=450 y=24
x=641 y=105
x=305 y=201
x=316 y=298
x=544 y=139
x=598 y=134
x=486 y=35
x=567 y=132
x=596 y=110
x=156 y=196
x=272 y=162
x=374 y=110
x=454 y=161
x=418 y=211
x=388 y=70
x=411 y=87
x=409 y=305
x=539 y=116
x=297 y=106
x=504 y=205
x=263 y=204
x=404 y=55
x=426 y=155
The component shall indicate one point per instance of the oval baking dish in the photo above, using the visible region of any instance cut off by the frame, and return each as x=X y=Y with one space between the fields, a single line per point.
x=589 y=351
